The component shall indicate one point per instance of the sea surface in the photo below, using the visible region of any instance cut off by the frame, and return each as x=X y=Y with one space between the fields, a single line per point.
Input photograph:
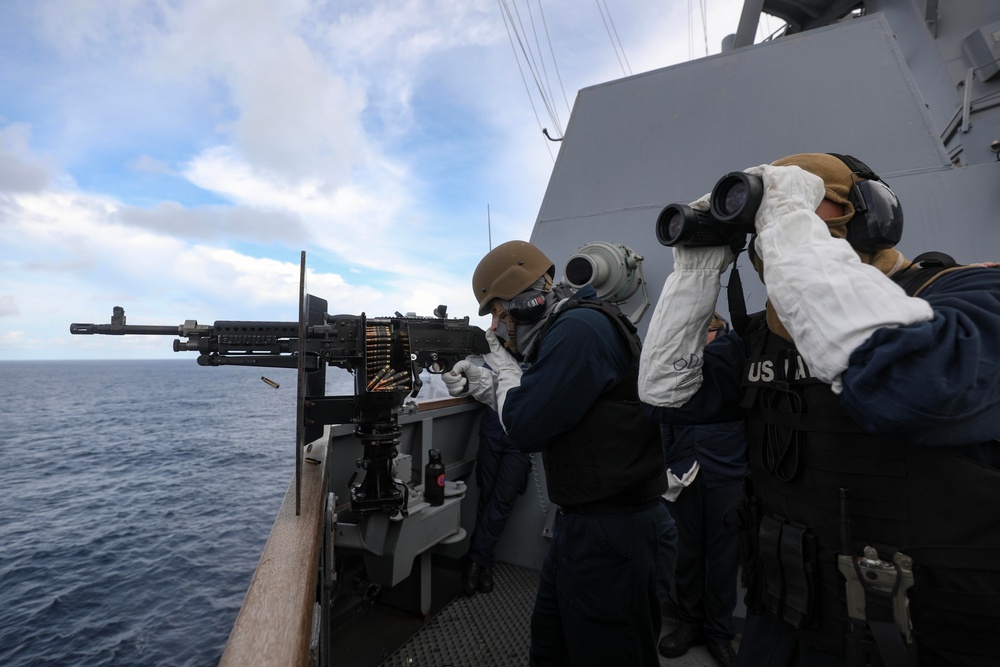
x=135 y=501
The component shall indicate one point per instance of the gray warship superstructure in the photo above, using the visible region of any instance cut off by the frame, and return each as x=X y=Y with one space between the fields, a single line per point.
x=911 y=87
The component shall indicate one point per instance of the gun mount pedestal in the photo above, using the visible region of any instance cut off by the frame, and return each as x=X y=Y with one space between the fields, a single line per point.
x=389 y=545
x=383 y=551
x=379 y=491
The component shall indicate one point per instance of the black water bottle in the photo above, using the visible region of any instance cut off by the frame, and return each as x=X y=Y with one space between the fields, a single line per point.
x=434 y=479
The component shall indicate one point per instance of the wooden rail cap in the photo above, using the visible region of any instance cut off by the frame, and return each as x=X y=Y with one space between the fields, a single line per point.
x=275 y=622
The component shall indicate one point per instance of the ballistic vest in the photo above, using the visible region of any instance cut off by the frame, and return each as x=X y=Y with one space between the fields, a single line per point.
x=823 y=488
x=614 y=456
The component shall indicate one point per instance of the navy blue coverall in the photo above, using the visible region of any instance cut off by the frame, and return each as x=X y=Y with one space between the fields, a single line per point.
x=708 y=555
x=597 y=599
x=501 y=474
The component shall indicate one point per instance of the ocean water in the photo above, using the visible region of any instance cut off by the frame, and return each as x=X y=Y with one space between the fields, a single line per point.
x=135 y=500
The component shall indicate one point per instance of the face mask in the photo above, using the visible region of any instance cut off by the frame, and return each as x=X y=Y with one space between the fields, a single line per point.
x=506 y=329
x=519 y=333
x=528 y=334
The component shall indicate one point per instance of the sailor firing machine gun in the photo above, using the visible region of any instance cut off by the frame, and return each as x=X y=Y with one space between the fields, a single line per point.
x=390 y=524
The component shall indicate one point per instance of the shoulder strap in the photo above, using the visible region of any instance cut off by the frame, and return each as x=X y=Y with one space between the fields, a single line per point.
x=925 y=267
x=757 y=328
x=857 y=166
x=737 y=302
x=624 y=324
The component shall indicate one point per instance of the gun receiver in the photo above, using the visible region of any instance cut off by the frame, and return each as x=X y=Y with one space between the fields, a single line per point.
x=385 y=355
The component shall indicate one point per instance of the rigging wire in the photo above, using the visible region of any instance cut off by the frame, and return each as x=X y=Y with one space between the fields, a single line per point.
x=555 y=63
x=538 y=71
x=508 y=23
x=529 y=58
x=704 y=22
x=609 y=27
x=534 y=59
x=541 y=60
x=703 y=8
x=690 y=16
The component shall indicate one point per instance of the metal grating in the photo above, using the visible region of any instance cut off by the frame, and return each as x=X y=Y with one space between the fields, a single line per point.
x=478 y=631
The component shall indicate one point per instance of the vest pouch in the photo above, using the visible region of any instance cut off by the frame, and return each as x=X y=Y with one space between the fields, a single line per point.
x=788 y=569
x=954 y=604
x=744 y=519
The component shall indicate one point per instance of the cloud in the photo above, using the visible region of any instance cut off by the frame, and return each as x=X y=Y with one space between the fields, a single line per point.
x=86 y=31
x=408 y=45
x=11 y=337
x=8 y=306
x=290 y=114
x=375 y=209
x=18 y=176
x=20 y=169
x=248 y=224
x=150 y=165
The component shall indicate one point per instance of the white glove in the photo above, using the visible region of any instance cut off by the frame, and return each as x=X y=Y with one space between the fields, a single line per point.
x=508 y=371
x=675 y=485
x=828 y=300
x=468 y=379
x=671 y=359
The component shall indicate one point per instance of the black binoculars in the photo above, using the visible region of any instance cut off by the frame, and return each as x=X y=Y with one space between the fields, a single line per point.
x=734 y=203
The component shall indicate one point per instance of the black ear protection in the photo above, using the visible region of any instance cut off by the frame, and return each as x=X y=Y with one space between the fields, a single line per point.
x=527 y=307
x=878 y=218
x=877 y=224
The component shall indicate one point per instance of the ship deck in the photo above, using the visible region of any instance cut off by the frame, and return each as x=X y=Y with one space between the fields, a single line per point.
x=479 y=631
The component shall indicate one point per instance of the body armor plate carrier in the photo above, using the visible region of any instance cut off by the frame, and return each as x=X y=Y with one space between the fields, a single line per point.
x=614 y=456
x=880 y=550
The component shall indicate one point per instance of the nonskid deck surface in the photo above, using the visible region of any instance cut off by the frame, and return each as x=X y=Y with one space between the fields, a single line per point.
x=480 y=630
x=494 y=629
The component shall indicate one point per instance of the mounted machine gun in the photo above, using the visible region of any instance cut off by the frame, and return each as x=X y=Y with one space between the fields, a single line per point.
x=385 y=355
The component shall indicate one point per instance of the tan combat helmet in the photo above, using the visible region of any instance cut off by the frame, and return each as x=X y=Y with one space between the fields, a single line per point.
x=508 y=270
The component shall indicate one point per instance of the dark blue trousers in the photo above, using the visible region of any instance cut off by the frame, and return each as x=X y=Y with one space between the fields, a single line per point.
x=597 y=599
x=708 y=558
x=501 y=475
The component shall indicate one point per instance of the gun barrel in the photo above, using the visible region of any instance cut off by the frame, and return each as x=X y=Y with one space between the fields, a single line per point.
x=78 y=328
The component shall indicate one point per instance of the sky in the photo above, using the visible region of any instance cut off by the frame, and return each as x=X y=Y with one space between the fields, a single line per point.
x=175 y=157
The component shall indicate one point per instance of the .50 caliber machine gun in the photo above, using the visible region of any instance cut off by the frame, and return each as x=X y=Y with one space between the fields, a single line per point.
x=384 y=354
